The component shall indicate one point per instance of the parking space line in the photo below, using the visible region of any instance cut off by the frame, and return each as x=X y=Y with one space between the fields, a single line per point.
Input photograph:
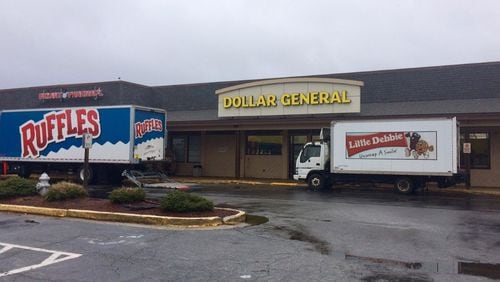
x=54 y=257
x=5 y=248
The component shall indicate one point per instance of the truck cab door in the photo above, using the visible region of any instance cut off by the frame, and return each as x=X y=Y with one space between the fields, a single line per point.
x=309 y=159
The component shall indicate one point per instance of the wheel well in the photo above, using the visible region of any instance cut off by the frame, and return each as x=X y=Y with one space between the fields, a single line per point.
x=314 y=172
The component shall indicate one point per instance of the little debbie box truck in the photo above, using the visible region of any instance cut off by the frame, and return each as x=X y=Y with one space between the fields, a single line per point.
x=405 y=152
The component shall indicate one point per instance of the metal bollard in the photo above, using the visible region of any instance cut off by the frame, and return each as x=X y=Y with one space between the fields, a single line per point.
x=43 y=184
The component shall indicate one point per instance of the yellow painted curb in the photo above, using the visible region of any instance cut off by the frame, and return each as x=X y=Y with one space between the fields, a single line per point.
x=130 y=218
x=34 y=210
x=146 y=219
x=285 y=184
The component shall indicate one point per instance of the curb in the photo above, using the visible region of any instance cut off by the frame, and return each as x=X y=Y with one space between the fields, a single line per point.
x=468 y=192
x=237 y=182
x=238 y=218
x=131 y=218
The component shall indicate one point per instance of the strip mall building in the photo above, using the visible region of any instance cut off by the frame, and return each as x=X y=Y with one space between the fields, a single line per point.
x=255 y=128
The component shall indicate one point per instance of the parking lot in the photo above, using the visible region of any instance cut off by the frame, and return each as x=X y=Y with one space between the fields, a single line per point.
x=342 y=235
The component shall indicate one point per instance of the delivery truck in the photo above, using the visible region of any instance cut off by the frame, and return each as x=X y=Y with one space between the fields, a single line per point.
x=46 y=140
x=408 y=153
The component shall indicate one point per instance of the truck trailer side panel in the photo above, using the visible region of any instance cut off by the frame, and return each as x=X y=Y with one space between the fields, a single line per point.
x=398 y=147
x=121 y=134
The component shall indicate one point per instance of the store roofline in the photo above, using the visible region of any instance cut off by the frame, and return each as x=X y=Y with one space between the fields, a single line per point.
x=330 y=75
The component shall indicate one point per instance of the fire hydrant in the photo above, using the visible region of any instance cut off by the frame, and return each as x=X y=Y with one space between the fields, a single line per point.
x=43 y=184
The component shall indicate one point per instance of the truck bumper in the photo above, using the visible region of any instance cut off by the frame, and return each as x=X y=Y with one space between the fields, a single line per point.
x=296 y=177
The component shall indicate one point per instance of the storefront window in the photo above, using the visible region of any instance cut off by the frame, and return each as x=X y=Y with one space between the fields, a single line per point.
x=187 y=145
x=194 y=149
x=264 y=144
x=480 y=150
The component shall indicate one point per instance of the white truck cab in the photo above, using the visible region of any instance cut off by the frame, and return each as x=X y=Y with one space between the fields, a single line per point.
x=313 y=157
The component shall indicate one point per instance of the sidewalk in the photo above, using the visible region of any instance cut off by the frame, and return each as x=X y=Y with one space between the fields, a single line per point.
x=492 y=191
x=241 y=181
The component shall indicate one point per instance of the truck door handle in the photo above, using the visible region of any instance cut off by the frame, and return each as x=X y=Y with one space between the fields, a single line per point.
x=317 y=163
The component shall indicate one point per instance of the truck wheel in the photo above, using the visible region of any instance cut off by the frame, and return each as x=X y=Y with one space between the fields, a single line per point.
x=90 y=175
x=316 y=181
x=404 y=185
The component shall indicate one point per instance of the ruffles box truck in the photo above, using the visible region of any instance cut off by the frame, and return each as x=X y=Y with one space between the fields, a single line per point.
x=46 y=140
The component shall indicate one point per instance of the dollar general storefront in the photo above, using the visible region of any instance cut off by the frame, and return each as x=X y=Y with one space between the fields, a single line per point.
x=255 y=129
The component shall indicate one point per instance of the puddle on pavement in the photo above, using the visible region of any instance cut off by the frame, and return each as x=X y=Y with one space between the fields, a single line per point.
x=488 y=270
x=409 y=265
x=395 y=277
x=319 y=245
x=256 y=219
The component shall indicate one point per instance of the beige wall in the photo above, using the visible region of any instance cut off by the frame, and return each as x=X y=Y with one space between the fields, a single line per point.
x=219 y=155
x=264 y=166
x=489 y=177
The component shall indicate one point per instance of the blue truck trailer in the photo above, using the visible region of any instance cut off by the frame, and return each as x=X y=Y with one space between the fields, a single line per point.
x=43 y=140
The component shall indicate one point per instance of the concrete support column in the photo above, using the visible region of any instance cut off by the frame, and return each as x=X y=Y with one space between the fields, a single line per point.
x=237 y=155
x=285 y=152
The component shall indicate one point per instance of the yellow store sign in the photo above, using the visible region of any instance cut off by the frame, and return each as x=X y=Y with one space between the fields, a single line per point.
x=289 y=97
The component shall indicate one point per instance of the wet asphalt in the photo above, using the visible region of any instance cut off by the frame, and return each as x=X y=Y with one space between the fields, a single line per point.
x=347 y=234
x=349 y=194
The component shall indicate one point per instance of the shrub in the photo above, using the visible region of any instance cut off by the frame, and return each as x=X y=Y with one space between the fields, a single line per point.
x=64 y=191
x=178 y=201
x=16 y=186
x=126 y=195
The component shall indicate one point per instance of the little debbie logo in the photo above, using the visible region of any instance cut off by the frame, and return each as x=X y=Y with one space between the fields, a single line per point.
x=405 y=145
x=360 y=143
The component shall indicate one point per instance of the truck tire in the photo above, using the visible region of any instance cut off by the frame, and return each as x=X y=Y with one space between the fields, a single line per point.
x=404 y=185
x=316 y=181
x=90 y=176
x=24 y=171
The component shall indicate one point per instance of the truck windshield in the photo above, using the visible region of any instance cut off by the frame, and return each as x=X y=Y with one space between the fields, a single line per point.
x=309 y=152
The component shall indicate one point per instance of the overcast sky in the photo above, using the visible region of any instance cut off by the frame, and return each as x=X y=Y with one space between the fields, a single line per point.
x=176 y=42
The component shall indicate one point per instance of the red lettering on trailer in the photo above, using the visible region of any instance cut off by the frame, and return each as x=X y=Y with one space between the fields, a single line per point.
x=57 y=127
x=148 y=125
x=359 y=143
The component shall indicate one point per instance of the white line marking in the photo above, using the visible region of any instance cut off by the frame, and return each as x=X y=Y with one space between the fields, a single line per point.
x=5 y=248
x=55 y=257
